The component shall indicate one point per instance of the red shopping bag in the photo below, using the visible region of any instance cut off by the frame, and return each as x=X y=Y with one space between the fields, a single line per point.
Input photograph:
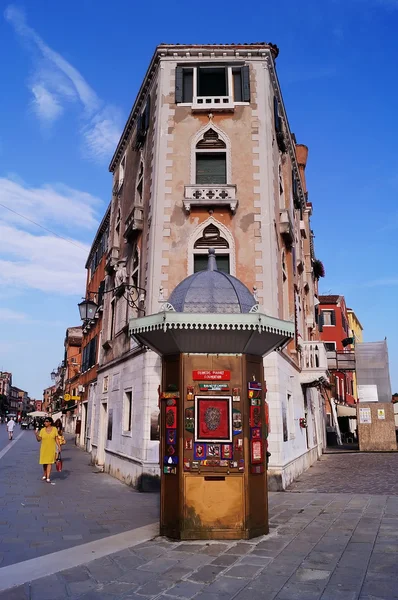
x=58 y=463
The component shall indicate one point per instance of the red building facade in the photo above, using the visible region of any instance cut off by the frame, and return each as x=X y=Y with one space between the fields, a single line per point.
x=335 y=333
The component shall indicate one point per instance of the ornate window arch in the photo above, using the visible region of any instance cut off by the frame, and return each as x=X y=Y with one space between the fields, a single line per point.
x=211 y=142
x=211 y=234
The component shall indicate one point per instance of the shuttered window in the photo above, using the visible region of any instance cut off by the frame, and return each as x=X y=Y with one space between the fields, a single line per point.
x=212 y=81
x=211 y=168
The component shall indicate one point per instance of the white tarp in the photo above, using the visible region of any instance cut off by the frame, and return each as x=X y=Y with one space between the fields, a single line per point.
x=346 y=411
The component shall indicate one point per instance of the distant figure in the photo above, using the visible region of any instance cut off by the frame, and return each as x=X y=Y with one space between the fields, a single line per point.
x=61 y=439
x=49 y=439
x=10 y=428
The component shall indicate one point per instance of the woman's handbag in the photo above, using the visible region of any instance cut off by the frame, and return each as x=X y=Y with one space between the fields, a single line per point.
x=62 y=440
x=58 y=463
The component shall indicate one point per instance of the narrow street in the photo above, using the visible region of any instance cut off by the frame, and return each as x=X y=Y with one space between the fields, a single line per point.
x=82 y=506
x=323 y=544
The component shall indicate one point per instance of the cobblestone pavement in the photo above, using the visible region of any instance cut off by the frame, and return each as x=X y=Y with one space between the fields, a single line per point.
x=357 y=473
x=37 y=518
x=321 y=547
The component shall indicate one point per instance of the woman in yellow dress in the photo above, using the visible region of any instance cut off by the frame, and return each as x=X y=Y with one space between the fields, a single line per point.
x=48 y=437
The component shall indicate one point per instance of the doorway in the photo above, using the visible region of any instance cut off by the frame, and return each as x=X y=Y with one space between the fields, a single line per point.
x=83 y=433
x=102 y=433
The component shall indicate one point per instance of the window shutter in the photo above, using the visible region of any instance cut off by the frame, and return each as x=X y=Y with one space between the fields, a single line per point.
x=147 y=113
x=179 y=85
x=320 y=321
x=332 y=317
x=101 y=291
x=138 y=133
x=276 y=115
x=246 y=83
x=211 y=168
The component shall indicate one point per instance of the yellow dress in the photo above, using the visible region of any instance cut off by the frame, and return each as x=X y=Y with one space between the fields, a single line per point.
x=48 y=446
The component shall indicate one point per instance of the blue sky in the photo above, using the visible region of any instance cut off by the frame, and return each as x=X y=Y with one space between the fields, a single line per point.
x=70 y=72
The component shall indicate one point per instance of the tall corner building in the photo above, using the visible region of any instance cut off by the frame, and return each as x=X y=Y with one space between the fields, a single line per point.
x=207 y=160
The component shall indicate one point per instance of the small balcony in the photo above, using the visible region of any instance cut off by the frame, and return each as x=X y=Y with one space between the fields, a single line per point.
x=134 y=222
x=341 y=361
x=213 y=103
x=210 y=195
x=112 y=257
x=286 y=226
x=314 y=362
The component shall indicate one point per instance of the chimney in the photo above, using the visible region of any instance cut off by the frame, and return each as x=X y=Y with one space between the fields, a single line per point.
x=302 y=155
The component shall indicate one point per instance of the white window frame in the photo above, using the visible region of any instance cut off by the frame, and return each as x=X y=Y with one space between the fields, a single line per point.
x=331 y=342
x=291 y=424
x=105 y=384
x=230 y=82
x=227 y=150
x=122 y=171
x=198 y=233
x=127 y=412
x=329 y=311
x=139 y=201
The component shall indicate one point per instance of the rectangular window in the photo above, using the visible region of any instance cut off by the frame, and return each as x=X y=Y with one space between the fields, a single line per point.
x=328 y=318
x=105 y=384
x=200 y=262
x=127 y=411
x=212 y=81
x=211 y=167
x=330 y=346
x=290 y=413
x=209 y=81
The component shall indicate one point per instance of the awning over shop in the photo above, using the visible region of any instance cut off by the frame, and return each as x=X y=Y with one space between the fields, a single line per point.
x=172 y=332
x=346 y=411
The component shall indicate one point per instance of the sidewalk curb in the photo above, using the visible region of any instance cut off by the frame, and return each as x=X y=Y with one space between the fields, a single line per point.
x=49 y=564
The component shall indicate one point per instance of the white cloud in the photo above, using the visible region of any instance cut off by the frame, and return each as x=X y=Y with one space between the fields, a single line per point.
x=49 y=204
x=33 y=259
x=45 y=104
x=42 y=262
x=7 y=314
x=55 y=81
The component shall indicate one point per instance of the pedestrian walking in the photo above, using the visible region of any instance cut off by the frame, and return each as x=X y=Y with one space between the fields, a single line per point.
x=10 y=428
x=58 y=425
x=48 y=436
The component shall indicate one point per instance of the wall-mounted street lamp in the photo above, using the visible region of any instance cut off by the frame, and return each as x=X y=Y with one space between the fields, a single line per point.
x=87 y=309
x=134 y=295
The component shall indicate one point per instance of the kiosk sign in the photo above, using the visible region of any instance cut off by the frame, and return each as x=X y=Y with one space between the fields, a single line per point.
x=211 y=375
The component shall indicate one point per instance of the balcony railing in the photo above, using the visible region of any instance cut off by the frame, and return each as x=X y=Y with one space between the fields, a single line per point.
x=286 y=226
x=213 y=103
x=341 y=361
x=210 y=195
x=314 y=362
x=134 y=222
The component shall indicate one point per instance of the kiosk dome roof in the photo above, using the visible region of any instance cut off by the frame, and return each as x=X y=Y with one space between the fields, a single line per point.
x=212 y=291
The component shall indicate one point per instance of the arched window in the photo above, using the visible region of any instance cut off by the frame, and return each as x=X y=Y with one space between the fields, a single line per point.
x=139 y=187
x=211 y=238
x=210 y=159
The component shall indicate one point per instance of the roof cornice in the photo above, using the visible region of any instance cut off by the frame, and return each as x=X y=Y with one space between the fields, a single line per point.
x=101 y=229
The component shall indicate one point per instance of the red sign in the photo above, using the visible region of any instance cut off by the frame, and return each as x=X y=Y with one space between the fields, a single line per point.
x=211 y=375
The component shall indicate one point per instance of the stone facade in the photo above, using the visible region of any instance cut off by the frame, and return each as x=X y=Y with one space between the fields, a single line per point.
x=192 y=171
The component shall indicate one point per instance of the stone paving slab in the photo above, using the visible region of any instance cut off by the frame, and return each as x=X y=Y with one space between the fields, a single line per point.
x=352 y=473
x=305 y=558
x=83 y=506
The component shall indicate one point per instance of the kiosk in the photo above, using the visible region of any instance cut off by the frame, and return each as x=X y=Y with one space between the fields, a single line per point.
x=213 y=409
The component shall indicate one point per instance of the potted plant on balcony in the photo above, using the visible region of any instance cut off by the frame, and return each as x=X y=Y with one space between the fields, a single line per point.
x=319 y=269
